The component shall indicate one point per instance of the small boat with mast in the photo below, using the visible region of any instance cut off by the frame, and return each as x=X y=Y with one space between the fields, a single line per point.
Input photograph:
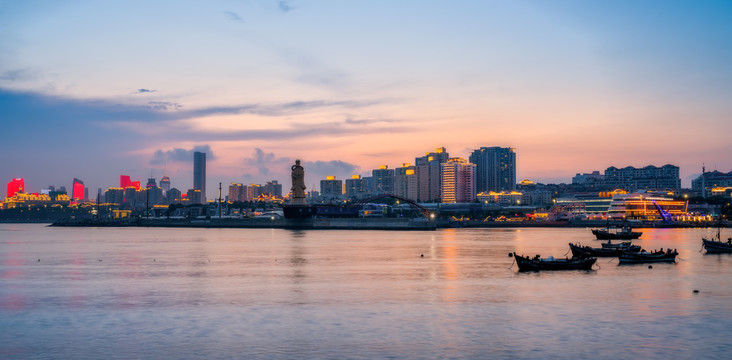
x=623 y=233
x=579 y=250
x=717 y=246
x=643 y=256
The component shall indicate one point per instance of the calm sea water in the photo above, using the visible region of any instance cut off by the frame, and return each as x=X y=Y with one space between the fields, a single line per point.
x=92 y=293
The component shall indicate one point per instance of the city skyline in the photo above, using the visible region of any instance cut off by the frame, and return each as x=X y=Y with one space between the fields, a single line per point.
x=91 y=93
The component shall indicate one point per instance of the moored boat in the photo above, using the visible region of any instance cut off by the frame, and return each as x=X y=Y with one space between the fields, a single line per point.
x=537 y=263
x=587 y=251
x=627 y=257
x=623 y=233
x=621 y=245
x=717 y=246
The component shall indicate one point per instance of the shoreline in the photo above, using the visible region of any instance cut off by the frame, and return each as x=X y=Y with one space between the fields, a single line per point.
x=353 y=223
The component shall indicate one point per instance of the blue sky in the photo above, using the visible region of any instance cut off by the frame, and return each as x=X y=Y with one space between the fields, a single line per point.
x=95 y=89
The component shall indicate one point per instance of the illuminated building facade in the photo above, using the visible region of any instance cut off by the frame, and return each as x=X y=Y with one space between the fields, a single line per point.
x=77 y=191
x=125 y=182
x=646 y=206
x=503 y=198
x=15 y=186
x=21 y=199
x=331 y=187
x=458 y=181
x=495 y=169
x=429 y=175
x=593 y=203
x=382 y=180
x=199 y=175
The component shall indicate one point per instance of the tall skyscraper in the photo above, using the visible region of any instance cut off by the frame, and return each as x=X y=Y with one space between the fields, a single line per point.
x=165 y=184
x=77 y=191
x=495 y=169
x=199 y=174
x=458 y=181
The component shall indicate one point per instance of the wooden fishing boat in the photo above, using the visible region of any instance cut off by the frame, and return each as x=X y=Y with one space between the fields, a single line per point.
x=627 y=257
x=717 y=246
x=621 y=245
x=587 y=251
x=537 y=263
x=623 y=233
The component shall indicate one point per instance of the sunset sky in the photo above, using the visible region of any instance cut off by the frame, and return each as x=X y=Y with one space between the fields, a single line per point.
x=95 y=89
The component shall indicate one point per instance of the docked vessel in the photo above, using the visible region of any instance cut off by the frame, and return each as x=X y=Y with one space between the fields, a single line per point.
x=621 y=245
x=537 y=263
x=640 y=257
x=587 y=251
x=623 y=233
x=717 y=246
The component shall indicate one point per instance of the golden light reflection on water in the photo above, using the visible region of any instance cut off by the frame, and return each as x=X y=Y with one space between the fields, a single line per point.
x=450 y=254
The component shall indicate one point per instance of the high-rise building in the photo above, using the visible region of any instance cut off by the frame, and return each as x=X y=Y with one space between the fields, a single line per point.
x=194 y=196
x=165 y=184
x=710 y=180
x=254 y=191
x=15 y=186
x=357 y=187
x=114 y=196
x=130 y=197
x=273 y=188
x=405 y=181
x=237 y=192
x=153 y=196
x=174 y=196
x=77 y=192
x=458 y=181
x=382 y=180
x=199 y=175
x=646 y=178
x=151 y=183
x=331 y=187
x=495 y=169
x=429 y=175
x=125 y=182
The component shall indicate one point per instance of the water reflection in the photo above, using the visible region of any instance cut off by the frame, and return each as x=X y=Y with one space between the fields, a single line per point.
x=264 y=293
